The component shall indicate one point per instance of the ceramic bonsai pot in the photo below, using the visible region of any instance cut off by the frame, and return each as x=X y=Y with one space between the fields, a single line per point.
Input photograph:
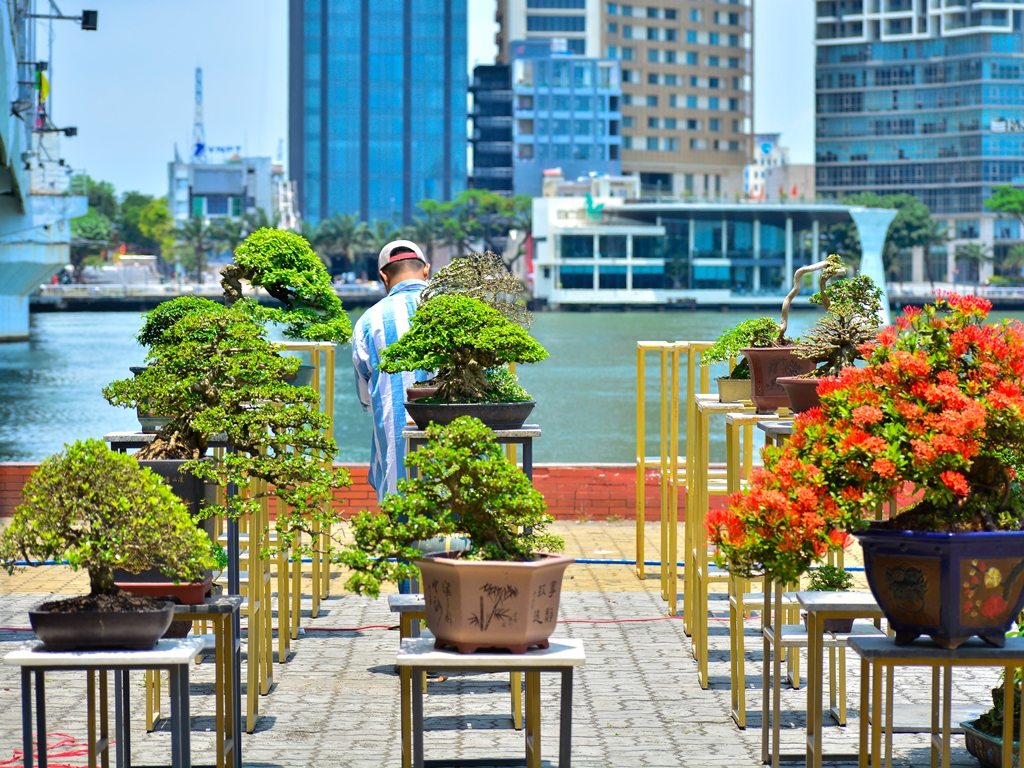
x=988 y=749
x=303 y=377
x=149 y=422
x=412 y=394
x=835 y=626
x=733 y=390
x=949 y=586
x=767 y=364
x=493 y=415
x=92 y=630
x=473 y=604
x=802 y=393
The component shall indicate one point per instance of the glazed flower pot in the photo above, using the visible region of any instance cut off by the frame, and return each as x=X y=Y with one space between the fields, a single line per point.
x=767 y=364
x=302 y=377
x=949 y=586
x=988 y=749
x=412 y=394
x=473 y=604
x=94 y=630
x=835 y=626
x=493 y=415
x=733 y=390
x=802 y=393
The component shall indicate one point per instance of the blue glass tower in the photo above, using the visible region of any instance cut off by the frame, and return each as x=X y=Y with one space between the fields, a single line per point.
x=925 y=98
x=377 y=105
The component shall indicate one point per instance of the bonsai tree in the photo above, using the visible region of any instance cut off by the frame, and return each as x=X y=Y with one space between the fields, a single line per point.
x=214 y=373
x=465 y=487
x=938 y=407
x=100 y=510
x=468 y=343
x=829 y=268
x=283 y=263
x=482 y=276
x=829 y=578
x=759 y=332
x=852 y=315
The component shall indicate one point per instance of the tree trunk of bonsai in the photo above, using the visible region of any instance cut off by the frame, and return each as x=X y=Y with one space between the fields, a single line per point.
x=101 y=581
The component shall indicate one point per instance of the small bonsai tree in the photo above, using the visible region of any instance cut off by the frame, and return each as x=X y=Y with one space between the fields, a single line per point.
x=829 y=268
x=829 y=578
x=100 y=510
x=759 y=332
x=465 y=487
x=214 y=373
x=283 y=263
x=852 y=316
x=482 y=276
x=468 y=343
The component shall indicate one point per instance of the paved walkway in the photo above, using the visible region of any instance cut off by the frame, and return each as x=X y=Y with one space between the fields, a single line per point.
x=637 y=702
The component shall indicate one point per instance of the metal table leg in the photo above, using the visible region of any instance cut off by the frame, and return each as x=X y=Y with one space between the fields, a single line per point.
x=417 y=717
x=565 y=721
x=181 y=754
x=26 y=715
x=122 y=721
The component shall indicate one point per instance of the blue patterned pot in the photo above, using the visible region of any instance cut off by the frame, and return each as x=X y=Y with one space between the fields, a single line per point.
x=986 y=747
x=949 y=586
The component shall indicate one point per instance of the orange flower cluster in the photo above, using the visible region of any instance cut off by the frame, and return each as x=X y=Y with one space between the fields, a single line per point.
x=940 y=389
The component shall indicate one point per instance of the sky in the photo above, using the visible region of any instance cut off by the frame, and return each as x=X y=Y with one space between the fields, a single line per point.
x=129 y=86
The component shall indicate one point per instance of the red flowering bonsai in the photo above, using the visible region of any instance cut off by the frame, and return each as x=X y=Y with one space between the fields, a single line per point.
x=938 y=410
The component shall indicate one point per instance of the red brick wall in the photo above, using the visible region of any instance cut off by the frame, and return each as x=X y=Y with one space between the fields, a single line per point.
x=573 y=492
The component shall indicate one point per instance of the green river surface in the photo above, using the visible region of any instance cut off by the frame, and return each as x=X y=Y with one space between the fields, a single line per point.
x=50 y=387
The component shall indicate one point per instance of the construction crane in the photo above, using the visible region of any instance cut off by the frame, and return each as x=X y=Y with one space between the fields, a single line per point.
x=198 y=132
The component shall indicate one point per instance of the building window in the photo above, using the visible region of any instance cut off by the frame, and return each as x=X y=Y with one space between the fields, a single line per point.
x=612 y=9
x=582 y=127
x=627 y=142
x=543 y=102
x=691 y=36
x=693 y=81
x=734 y=41
x=670 y=80
x=652 y=33
x=670 y=57
x=652 y=78
x=577 y=247
x=581 y=4
x=670 y=13
x=627 y=121
x=693 y=125
x=652 y=122
x=629 y=76
x=582 y=104
x=627 y=99
x=612 y=52
x=672 y=100
x=648 y=277
x=525 y=151
x=696 y=15
x=560 y=127
x=735 y=83
x=670 y=123
x=968 y=228
x=734 y=146
x=613 y=28
x=671 y=145
x=734 y=19
x=652 y=101
x=577 y=46
x=627 y=54
x=604 y=76
x=671 y=35
x=712 y=82
x=647 y=247
x=734 y=105
x=613 y=151
x=612 y=277
x=698 y=143
x=734 y=63
x=691 y=102
x=714 y=124
x=652 y=55
x=525 y=127
x=627 y=31
x=560 y=102
x=575 y=276
x=712 y=61
x=652 y=142
x=713 y=102
x=652 y=13
x=556 y=23
x=718 y=17
x=691 y=58
x=627 y=10
x=581 y=152
x=735 y=126
x=611 y=246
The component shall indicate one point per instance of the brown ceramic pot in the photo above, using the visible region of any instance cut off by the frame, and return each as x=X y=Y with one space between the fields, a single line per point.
x=412 y=394
x=767 y=364
x=473 y=604
x=802 y=393
x=733 y=390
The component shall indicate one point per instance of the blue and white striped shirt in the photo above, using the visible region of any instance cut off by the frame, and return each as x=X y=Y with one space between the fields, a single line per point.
x=383 y=395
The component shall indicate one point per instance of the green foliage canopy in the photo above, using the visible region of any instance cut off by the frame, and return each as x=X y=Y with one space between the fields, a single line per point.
x=465 y=487
x=757 y=332
x=461 y=338
x=283 y=263
x=101 y=510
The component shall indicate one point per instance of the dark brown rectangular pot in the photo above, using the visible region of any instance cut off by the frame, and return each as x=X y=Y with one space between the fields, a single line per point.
x=96 y=630
x=473 y=604
x=767 y=364
x=493 y=415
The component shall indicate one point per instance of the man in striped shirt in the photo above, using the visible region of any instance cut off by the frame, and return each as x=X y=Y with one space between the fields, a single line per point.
x=404 y=271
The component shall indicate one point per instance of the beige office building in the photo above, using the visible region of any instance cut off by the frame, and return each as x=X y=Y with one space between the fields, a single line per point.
x=687 y=81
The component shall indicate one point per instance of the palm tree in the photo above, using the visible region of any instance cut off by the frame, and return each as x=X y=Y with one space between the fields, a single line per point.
x=259 y=219
x=380 y=233
x=977 y=253
x=427 y=232
x=342 y=234
x=196 y=235
x=228 y=233
x=1013 y=261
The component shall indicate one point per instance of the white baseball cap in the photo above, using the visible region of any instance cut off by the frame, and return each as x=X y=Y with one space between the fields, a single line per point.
x=386 y=252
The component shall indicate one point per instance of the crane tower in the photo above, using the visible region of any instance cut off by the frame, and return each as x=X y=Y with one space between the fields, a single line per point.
x=198 y=132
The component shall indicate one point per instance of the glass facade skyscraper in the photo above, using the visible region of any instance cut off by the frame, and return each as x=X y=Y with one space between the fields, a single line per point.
x=924 y=97
x=377 y=105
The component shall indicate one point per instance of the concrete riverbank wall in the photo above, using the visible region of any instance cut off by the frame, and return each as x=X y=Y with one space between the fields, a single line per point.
x=581 y=492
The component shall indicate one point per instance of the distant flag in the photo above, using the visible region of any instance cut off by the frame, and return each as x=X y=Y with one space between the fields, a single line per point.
x=782 y=190
x=793 y=193
x=43 y=86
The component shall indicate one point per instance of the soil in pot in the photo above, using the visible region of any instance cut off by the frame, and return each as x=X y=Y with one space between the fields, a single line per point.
x=493 y=415
x=801 y=391
x=477 y=604
x=733 y=390
x=91 y=622
x=767 y=364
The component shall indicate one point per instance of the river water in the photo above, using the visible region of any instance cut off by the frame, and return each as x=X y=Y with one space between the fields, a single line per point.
x=50 y=387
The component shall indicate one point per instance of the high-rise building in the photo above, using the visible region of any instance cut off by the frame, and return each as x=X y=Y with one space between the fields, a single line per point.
x=924 y=97
x=686 y=81
x=491 y=134
x=377 y=105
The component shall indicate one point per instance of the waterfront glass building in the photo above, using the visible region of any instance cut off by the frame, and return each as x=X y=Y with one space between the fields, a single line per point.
x=618 y=252
x=377 y=105
x=924 y=97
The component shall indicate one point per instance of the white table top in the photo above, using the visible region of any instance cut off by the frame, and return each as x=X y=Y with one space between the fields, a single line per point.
x=406 y=603
x=826 y=602
x=420 y=652
x=166 y=652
